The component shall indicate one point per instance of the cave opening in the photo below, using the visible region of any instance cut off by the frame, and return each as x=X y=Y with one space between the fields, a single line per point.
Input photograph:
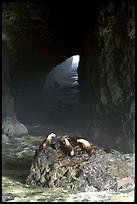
x=62 y=106
x=51 y=104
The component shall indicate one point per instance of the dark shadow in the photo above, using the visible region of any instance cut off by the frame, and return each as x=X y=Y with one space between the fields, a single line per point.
x=16 y=169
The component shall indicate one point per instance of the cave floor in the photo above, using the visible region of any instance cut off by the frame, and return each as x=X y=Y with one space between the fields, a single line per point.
x=17 y=156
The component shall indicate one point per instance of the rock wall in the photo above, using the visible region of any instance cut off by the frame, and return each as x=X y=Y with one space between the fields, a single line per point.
x=106 y=77
x=7 y=99
x=10 y=124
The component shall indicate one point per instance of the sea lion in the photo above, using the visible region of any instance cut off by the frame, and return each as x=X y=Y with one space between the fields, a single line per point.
x=86 y=145
x=48 y=140
x=68 y=146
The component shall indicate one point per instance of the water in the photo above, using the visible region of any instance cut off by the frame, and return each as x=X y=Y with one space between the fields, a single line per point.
x=17 y=156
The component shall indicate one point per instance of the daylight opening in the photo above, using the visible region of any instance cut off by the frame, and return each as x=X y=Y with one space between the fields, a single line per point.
x=61 y=91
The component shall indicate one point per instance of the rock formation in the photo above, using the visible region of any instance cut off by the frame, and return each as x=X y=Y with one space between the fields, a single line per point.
x=101 y=169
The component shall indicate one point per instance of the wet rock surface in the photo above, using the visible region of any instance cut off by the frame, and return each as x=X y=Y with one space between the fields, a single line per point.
x=17 y=154
x=99 y=170
x=11 y=127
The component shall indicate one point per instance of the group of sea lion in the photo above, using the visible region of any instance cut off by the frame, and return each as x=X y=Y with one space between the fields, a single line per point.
x=68 y=142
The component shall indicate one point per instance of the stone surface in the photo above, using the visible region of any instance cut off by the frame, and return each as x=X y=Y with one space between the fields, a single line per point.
x=4 y=138
x=106 y=78
x=52 y=166
x=12 y=127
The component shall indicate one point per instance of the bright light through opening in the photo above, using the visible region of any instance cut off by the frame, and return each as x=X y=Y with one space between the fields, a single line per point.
x=75 y=59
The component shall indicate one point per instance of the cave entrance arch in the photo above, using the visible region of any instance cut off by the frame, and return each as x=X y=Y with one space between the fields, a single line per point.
x=61 y=93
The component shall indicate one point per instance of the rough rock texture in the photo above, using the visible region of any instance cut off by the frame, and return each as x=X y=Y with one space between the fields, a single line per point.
x=103 y=169
x=106 y=77
x=17 y=157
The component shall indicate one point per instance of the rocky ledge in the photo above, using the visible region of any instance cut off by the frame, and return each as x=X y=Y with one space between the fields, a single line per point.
x=74 y=163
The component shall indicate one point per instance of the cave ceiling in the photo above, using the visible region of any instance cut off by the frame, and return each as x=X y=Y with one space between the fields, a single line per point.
x=54 y=29
x=50 y=26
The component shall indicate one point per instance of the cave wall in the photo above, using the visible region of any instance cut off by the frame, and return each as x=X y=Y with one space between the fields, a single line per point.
x=10 y=125
x=42 y=35
x=7 y=99
x=107 y=77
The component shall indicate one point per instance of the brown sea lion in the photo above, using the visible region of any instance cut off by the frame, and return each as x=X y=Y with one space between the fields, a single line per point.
x=68 y=146
x=85 y=145
x=48 y=140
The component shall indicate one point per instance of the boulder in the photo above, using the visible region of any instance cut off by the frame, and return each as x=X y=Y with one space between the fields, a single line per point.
x=12 y=127
x=101 y=169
